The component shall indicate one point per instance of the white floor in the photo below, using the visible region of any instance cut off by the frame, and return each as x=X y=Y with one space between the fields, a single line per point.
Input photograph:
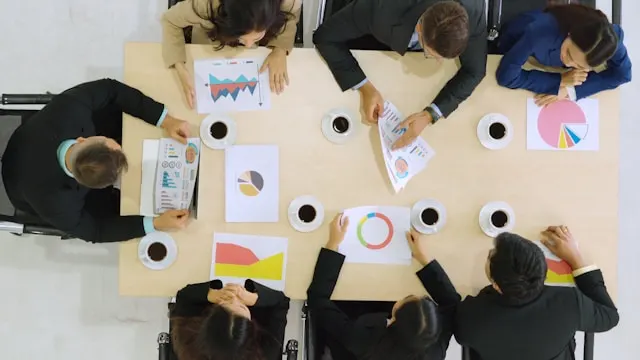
x=60 y=297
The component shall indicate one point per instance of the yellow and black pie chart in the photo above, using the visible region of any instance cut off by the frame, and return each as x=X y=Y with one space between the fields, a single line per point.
x=250 y=183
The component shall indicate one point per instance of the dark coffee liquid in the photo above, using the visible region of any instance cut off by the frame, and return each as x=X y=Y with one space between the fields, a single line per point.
x=157 y=251
x=497 y=130
x=218 y=130
x=307 y=213
x=429 y=216
x=499 y=219
x=340 y=125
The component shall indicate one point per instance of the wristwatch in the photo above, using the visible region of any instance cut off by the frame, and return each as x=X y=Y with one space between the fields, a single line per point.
x=434 y=114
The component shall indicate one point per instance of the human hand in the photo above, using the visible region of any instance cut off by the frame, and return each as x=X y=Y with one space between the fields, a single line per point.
x=418 y=247
x=217 y=296
x=246 y=297
x=562 y=244
x=177 y=129
x=186 y=80
x=573 y=77
x=337 y=230
x=414 y=125
x=171 y=220
x=276 y=62
x=545 y=99
x=372 y=103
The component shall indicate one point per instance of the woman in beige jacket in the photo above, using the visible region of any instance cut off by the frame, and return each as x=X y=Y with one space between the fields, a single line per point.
x=232 y=23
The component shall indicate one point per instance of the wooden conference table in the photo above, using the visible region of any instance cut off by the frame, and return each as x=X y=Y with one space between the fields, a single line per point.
x=579 y=189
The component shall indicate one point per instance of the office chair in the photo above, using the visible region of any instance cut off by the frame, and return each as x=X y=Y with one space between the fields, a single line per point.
x=165 y=349
x=11 y=219
x=326 y=8
x=299 y=41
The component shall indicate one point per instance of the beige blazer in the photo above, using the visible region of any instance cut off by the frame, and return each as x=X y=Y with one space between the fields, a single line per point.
x=183 y=15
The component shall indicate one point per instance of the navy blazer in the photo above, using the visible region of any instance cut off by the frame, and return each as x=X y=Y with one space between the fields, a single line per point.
x=537 y=34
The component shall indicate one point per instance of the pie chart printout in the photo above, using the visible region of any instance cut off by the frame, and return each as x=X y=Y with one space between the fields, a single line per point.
x=250 y=183
x=562 y=125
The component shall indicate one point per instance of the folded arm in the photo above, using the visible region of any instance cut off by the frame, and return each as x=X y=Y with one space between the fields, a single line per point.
x=511 y=75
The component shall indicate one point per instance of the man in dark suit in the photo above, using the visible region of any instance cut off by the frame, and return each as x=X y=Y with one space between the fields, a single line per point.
x=441 y=29
x=61 y=164
x=518 y=317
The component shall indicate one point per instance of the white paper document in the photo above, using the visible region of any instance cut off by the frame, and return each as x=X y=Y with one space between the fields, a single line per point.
x=563 y=125
x=252 y=183
x=402 y=164
x=176 y=172
x=236 y=258
x=225 y=85
x=147 y=184
x=377 y=235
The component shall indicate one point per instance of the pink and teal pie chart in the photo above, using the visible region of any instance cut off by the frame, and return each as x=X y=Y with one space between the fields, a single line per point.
x=375 y=216
x=562 y=124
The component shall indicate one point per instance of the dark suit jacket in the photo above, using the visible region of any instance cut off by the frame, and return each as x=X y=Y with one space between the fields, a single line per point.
x=359 y=336
x=393 y=23
x=269 y=312
x=32 y=175
x=542 y=329
x=537 y=34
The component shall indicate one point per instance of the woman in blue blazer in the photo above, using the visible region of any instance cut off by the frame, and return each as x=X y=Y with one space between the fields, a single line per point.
x=576 y=39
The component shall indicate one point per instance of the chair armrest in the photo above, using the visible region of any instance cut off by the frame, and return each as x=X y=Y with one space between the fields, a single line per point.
x=164 y=346
x=616 y=11
x=26 y=99
x=589 y=340
x=308 y=334
x=494 y=19
x=466 y=353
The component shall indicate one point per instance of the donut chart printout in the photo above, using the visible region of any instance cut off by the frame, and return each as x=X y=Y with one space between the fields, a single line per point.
x=176 y=172
x=376 y=235
x=564 y=125
x=252 y=183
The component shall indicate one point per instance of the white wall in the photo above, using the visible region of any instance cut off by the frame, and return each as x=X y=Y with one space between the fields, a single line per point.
x=60 y=297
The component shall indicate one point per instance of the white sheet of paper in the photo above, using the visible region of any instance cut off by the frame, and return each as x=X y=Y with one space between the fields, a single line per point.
x=147 y=184
x=377 y=235
x=402 y=164
x=226 y=85
x=564 y=126
x=177 y=169
x=236 y=258
x=252 y=183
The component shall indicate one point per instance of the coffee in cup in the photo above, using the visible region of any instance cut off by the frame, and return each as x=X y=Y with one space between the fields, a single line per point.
x=429 y=216
x=218 y=130
x=340 y=124
x=157 y=251
x=499 y=219
x=497 y=130
x=307 y=213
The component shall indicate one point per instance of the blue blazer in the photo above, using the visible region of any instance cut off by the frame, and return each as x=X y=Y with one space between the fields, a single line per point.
x=537 y=34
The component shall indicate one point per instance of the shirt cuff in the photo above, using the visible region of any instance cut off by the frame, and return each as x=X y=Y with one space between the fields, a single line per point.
x=360 y=84
x=571 y=90
x=437 y=109
x=584 y=270
x=147 y=223
x=162 y=116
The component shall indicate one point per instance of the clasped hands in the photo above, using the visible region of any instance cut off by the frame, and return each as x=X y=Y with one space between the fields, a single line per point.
x=570 y=78
x=229 y=293
x=373 y=106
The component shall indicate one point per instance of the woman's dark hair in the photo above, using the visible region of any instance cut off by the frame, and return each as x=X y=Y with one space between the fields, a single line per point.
x=518 y=267
x=589 y=29
x=416 y=327
x=234 y=18
x=219 y=335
